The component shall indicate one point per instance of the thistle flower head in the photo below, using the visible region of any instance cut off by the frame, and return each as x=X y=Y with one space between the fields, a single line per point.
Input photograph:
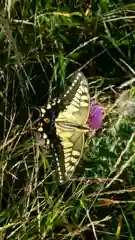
x=96 y=116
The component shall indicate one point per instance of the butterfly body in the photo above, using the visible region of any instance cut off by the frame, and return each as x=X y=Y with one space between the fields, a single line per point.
x=66 y=129
x=47 y=121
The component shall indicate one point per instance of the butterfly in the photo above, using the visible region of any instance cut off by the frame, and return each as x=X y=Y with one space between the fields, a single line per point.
x=65 y=129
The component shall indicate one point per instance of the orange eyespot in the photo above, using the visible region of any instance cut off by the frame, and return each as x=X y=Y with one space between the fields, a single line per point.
x=47 y=120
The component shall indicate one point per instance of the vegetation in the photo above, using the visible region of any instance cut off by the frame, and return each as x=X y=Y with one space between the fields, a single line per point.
x=41 y=44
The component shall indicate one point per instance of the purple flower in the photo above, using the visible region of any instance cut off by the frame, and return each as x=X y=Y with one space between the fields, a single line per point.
x=96 y=116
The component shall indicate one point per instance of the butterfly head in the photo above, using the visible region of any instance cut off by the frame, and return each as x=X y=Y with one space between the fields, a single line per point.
x=47 y=122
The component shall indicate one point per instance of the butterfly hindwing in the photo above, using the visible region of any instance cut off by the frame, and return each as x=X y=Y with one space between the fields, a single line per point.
x=58 y=156
x=72 y=142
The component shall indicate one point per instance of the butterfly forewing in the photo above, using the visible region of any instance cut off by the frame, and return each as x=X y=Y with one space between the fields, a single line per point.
x=78 y=102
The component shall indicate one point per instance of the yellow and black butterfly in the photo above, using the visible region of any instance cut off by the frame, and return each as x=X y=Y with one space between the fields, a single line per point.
x=66 y=129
